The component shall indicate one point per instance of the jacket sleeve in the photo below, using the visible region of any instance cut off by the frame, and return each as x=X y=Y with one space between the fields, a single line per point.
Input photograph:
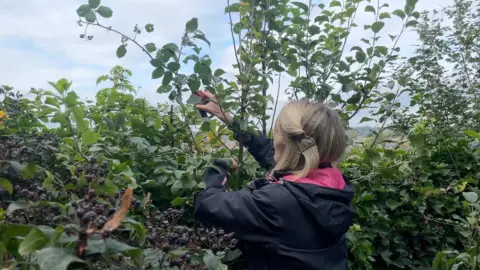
x=251 y=216
x=258 y=145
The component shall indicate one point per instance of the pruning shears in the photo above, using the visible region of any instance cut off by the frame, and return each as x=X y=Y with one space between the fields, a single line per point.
x=204 y=101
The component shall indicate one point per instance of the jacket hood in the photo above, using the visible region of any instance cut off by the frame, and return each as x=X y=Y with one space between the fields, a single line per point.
x=326 y=196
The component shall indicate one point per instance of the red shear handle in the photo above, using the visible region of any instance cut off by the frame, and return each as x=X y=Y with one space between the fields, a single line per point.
x=204 y=101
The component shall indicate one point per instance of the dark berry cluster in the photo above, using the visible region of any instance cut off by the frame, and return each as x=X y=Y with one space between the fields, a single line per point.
x=91 y=172
x=89 y=212
x=37 y=148
x=167 y=235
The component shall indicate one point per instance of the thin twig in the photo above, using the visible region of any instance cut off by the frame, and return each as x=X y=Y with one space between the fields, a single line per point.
x=123 y=35
x=307 y=51
x=218 y=138
x=375 y=33
x=233 y=39
x=276 y=104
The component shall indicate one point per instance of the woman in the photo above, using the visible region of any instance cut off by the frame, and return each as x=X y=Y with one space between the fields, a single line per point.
x=296 y=217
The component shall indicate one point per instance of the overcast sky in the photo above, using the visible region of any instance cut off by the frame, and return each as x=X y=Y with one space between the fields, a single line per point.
x=39 y=40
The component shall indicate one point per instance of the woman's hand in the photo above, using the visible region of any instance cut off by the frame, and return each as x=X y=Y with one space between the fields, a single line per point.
x=212 y=107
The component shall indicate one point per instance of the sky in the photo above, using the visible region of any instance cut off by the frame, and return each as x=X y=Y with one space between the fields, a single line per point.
x=39 y=40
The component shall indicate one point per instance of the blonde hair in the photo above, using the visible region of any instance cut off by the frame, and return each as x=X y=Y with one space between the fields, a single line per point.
x=312 y=133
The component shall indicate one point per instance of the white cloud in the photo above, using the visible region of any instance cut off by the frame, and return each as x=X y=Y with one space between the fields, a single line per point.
x=41 y=42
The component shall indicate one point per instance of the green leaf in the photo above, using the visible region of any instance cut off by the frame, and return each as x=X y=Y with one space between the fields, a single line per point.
x=89 y=137
x=412 y=23
x=314 y=30
x=377 y=26
x=355 y=98
x=30 y=170
x=6 y=185
x=365 y=119
x=19 y=168
x=415 y=14
x=105 y=12
x=202 y=37
x=52 y=101
x=173 y=66
x=150 y=47
x=416 y=140
x=194 y=99
x=94 y=3
x=301 y=5
x=233 y=8
x=34 y=241
x=382 y=49
x=373 y=156
x=158 y=72
x=48 y=181
x=191 y=57
x=471 y=197
x=83 y=9
x=171 y=47
x=193 y=83
x=343 y=66
x=292 y=69
x=370 y=8
x=167 y=78
x=56 y=258
x=79 y=116
x=472 y=133
x=121 y=51
x=219 y=72
x=392 y=204
x=275 y=65
x=411 y=3
x=322 y=18
x=202 y=70
x=178 y=201
x=90 y=17
x=137 y=227
x=399 y=13
x=149 y=28
x=10 y=231
x=71 y=99
x=115 y=247
x=356 y=48
x=192 y=25
x=360 y=56
x=384 y=15
x=335 y=4
x=157 y=63
x=232 y=256
x=14 y=206
x=213 y=262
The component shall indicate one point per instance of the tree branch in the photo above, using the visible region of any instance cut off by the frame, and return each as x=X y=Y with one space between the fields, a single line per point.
x=123 y=35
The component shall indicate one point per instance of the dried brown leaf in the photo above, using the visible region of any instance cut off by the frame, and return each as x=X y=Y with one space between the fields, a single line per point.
x=121 y=213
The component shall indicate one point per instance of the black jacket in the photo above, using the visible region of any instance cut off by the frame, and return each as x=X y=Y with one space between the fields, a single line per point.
x=284 y=225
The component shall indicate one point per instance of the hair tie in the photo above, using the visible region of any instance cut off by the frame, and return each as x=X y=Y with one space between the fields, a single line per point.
x=309 y=142
x=309 y=148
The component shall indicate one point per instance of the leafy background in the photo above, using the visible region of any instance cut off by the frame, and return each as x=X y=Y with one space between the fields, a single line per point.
x=90 y=182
